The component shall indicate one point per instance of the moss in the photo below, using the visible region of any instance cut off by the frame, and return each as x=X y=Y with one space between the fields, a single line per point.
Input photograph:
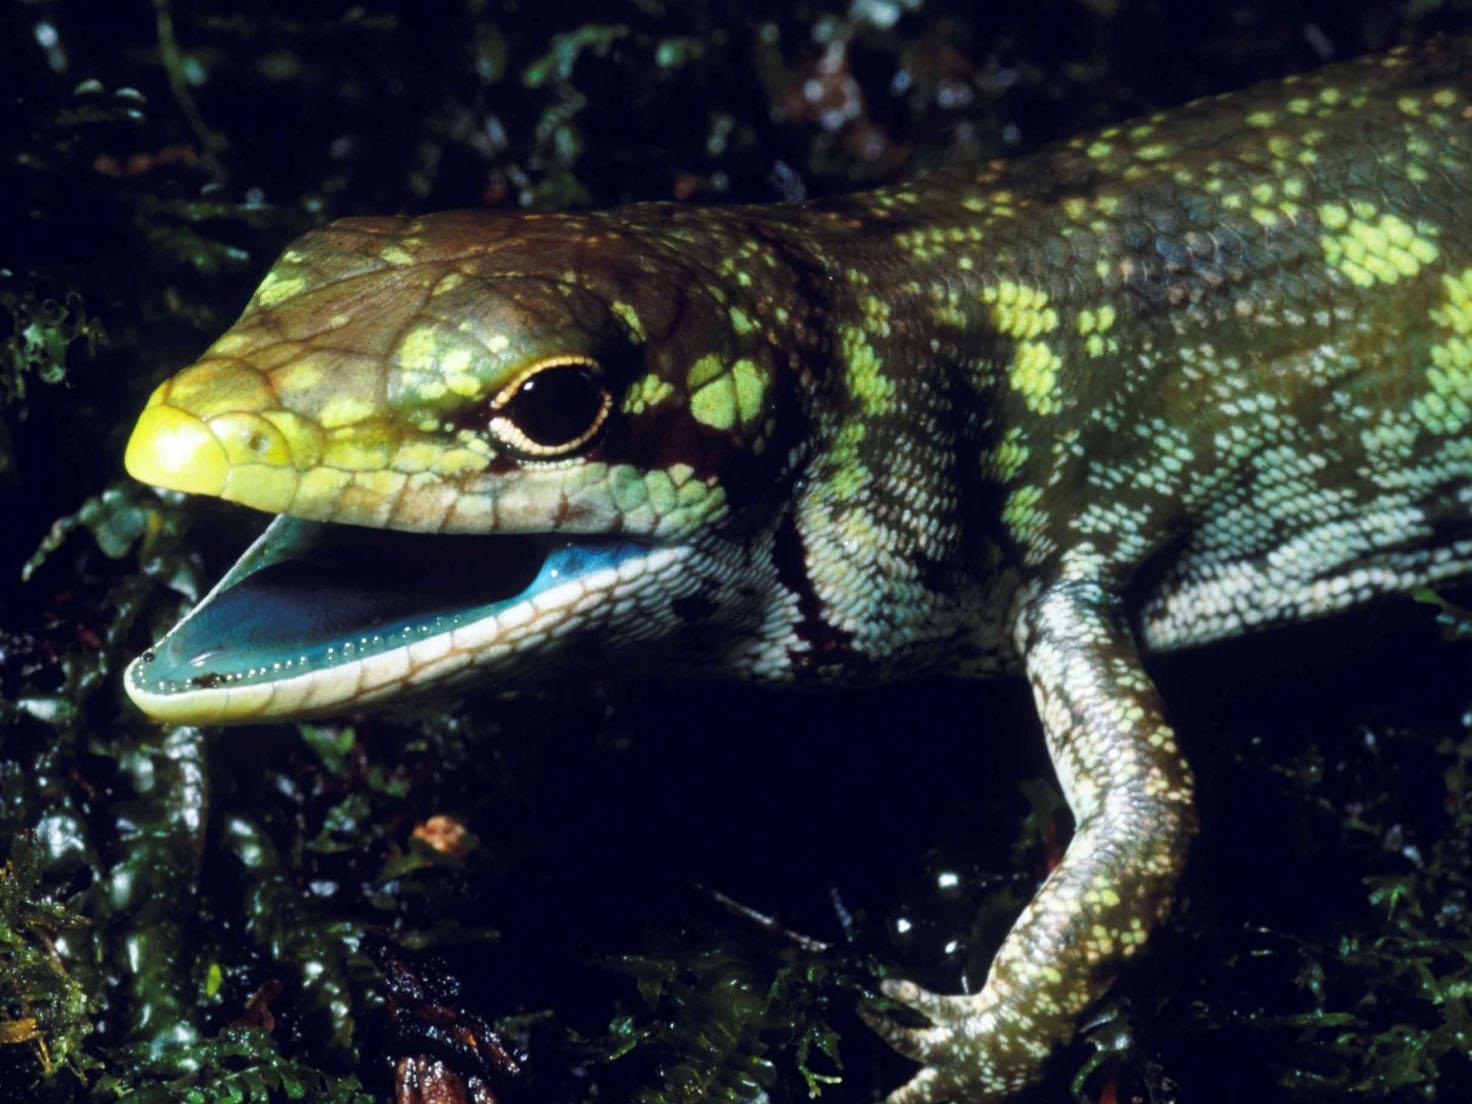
x=46 y=1009
x=725 y=1023
x=242 y=1065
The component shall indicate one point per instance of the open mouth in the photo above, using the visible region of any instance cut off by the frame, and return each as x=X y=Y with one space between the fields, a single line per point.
x=318 y=615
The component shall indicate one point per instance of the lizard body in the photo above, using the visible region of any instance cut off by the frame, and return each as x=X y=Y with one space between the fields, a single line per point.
x=1161 y=384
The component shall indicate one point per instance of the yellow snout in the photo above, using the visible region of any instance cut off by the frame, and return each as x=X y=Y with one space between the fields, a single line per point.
x=173 y=449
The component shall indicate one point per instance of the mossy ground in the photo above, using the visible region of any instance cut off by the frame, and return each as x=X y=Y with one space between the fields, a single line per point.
x=181 y=912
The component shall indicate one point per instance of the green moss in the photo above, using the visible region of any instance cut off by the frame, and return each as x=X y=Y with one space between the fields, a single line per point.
x=242 y=1065
x=718 y=1023
x=46 y=1011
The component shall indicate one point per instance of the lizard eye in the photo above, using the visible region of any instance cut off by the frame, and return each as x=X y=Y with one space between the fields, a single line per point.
x=553 y=408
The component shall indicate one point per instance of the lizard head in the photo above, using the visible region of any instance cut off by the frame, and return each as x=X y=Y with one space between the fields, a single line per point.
x=492 y=441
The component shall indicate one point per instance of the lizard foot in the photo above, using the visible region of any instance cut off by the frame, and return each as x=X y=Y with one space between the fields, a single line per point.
x=965 y=1058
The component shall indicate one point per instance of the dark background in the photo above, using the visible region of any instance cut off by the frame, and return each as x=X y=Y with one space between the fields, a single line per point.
x=180 y=914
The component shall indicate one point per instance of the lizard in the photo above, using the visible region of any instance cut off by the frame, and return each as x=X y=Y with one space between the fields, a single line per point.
x=1176 y=380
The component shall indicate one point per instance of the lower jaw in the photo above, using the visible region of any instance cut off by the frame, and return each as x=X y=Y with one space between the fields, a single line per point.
x=287 y=633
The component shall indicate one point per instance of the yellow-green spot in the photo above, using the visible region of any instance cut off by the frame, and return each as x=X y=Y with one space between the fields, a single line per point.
x=466 y=386
x=652 y=390
x=751 y=388
x=1447 y=408
x=863 y=371
x=715 y=404
x=730 y=397
x=417 y=351
x=947 y=308
x=276 y=288
x=1020 y=513
x=1034 y=375
x=850 y=476
x=741 y=321
x=344 y=410
x=359 y=448
x=630 y=318
x=704 y=370
x=1019 y=310
x=1370 y=248
x=456 y=362
x=448 y=283
x=1011 y=454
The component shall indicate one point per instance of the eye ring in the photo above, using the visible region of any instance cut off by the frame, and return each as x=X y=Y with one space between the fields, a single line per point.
x=559 y=418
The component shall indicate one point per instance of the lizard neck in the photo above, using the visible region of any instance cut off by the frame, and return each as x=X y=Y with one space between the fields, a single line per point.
x=889 y=541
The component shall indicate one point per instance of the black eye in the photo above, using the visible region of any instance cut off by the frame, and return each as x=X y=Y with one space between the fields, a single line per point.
x=553 y=409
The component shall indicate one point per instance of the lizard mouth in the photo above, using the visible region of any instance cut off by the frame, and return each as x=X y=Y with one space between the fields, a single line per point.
x=318 y=617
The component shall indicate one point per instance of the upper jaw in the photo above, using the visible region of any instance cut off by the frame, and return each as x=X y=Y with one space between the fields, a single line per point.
x=317 y=619
x=217 y=429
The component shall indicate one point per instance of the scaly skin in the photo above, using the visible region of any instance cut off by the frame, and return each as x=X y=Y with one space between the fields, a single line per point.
x=1204 y=372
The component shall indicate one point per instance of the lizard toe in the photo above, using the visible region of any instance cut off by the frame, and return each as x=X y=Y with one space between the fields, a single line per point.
x=936 y=1007
x=919 y=1044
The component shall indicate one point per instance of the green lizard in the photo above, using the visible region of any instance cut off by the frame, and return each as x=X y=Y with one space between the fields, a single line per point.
x=1194 y=374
